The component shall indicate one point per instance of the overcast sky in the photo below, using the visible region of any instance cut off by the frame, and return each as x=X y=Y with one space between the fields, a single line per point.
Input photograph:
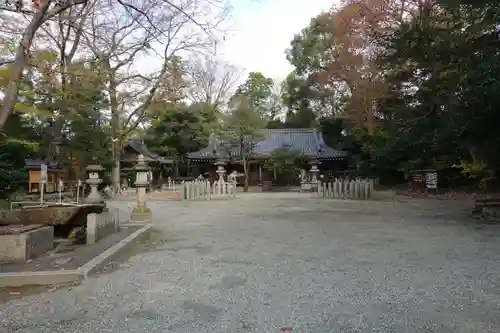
x=262 y=31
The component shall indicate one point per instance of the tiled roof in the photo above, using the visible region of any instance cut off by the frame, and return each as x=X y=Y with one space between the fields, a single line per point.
x=34 y=164
x=139 y=147
x=307 y=141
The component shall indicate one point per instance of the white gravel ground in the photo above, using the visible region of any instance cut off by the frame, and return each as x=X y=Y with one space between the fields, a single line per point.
x=265 y=261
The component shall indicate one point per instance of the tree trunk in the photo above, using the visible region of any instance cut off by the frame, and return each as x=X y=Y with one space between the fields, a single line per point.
x=116 y=133
x=245 y=171
x=115 y=175
x=20 y=61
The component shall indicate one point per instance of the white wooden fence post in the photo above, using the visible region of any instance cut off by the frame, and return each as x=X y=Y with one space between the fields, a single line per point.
x=183 y=191
x=208 y=189
x=198 y=190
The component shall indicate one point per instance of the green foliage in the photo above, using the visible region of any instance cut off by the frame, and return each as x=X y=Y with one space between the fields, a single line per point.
x=180 y=128
x=286 y=161
x=243 y=125
x=453 y=58
x=438 y=106
x=13 y=152
x=87 y=133
x=257 y=90
x=13 y=177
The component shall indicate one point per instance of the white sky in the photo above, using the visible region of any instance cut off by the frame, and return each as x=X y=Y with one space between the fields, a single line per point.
x=259 y=32
x=262 y=31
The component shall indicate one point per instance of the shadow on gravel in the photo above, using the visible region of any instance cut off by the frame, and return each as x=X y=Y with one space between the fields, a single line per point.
x=12 y=293
x=148 y=242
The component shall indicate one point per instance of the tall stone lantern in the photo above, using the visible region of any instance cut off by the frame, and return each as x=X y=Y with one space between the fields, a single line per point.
x=94 y=181
x=141 y=212
x=314 y=172
x=221 y=171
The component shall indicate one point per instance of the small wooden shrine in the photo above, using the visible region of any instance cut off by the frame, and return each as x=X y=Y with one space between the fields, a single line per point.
x=160 y=166
x=54 y=174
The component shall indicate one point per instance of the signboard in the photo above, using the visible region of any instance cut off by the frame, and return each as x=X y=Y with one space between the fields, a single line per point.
x=431 y=179
x=43 y=173
x=417 y=177
x=423 y=180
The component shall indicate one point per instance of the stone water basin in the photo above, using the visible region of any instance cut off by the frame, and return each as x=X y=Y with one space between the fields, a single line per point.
x=52 y=214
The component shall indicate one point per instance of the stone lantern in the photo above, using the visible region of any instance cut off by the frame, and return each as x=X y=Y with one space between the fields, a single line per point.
x=314 y=172
x=141 y=212
x=220 y=169
x=94 y=181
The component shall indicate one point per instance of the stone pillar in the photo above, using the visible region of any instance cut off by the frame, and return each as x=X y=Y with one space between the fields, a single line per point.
x=303 y=180
x=94 y=181
x=141 y=212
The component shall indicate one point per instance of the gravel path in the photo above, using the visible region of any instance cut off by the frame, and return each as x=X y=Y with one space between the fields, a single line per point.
x=267 y=261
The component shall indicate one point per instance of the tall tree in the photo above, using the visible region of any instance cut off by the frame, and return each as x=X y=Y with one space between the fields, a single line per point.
x=242 y=126
x=121 y=38
x=258 y=91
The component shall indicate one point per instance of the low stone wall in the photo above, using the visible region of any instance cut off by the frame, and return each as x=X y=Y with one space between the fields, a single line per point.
x=491 y=214
x=101 y=225
x=346 y=189
x=22 y=245
x=206 y=190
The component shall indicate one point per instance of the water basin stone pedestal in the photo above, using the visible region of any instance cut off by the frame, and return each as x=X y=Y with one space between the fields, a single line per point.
x=22 y=242
x=141 y=212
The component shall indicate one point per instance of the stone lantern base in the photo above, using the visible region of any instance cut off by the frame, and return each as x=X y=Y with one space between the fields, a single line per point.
x=94 y=197
x=141 y=213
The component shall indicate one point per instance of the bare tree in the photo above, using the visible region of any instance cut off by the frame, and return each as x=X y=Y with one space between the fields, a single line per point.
x=195 y=13
x=212 y=81
x=129 y=43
